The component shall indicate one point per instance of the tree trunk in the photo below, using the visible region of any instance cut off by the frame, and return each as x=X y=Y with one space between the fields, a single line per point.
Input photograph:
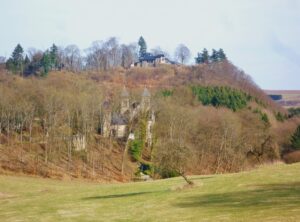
x=189 y=182
x=8 y=132
x=30 y=135
x=21 y=133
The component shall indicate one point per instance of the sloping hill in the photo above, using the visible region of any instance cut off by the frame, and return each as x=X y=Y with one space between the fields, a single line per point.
x=231 y=124
x=269 y=193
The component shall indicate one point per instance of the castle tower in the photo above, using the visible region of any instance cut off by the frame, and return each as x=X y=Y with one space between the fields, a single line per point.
x=146 y=100
x=124 y=101
x=149 y=129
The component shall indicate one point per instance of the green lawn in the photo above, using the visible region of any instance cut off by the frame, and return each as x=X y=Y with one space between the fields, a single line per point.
x=270 y=193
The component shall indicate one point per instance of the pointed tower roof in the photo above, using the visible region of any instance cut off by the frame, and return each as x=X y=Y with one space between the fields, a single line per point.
x=146 y=93
x=124 y=92
x=106 y=105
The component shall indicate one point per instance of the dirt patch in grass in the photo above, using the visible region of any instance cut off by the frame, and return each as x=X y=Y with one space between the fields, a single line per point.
x=6 y=195
x=186 y=186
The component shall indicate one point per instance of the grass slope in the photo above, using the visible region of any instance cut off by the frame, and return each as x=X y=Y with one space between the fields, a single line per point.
x=270 y=193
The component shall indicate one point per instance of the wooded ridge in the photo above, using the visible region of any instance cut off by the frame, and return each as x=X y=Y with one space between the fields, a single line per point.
x=211 y=117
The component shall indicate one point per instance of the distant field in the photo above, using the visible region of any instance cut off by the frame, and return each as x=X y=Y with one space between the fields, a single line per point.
x=290 y=98
x=270 y=193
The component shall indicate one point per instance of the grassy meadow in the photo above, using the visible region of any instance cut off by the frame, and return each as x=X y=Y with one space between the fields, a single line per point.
x=269 y=193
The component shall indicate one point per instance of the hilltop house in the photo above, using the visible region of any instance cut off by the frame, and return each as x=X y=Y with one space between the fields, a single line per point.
x=148 y=59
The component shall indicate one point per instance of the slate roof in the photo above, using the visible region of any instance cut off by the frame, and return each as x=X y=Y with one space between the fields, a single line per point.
x=106 y=105
x=148 y=57
x=118 y=119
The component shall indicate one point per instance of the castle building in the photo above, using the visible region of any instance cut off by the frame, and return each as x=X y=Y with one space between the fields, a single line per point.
x=125 y=106
x=116 y=124
x=146 y=100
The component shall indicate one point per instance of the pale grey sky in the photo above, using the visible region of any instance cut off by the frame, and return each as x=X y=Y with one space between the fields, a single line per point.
x=259 y=36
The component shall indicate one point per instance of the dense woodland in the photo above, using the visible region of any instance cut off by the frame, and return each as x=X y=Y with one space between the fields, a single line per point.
x=210 y=117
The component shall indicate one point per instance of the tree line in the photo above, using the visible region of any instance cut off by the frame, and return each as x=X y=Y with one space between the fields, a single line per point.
x=101 y=55
x=215 y=56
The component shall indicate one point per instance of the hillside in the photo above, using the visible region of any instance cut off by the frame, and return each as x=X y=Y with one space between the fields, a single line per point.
x=269 y=193
x=53 y=126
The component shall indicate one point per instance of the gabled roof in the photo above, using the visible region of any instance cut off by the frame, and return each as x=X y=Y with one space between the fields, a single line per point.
x=150 y=57
x=118 y=119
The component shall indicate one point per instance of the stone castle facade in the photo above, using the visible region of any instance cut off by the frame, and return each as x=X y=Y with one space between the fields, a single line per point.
x=119 y=124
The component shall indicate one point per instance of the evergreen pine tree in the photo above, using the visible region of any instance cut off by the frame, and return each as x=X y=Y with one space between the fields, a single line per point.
x=54 y=56
x=143 y=46
x=198 y=59
x=205 y=56
x=26 y=60
x=296 y=139
x=10 y=64
x=17 y=60
x=221 y=55
x=26 y=64
x=46 y=63
x=214 y=56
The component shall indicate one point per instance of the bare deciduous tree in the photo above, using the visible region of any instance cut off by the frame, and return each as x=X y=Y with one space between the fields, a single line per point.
x=72 y=58
x=182 y=53
x=104 y=54
x=113 y=51
x=173 y=152
x=157 y=51
x=129 y=55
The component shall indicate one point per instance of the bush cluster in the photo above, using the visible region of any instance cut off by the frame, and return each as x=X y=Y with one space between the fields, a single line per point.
x=295 y=140
x=221 y=96
x=135 y=149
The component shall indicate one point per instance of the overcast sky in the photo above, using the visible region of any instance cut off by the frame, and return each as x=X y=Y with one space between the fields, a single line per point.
x=262 y=37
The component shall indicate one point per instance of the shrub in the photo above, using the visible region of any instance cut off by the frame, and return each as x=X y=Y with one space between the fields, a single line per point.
x=295 y=140
x=135 y=149
x=146 y=168
x=256 y=110
x=167 y=173
x=167 y=93
x=294 y=112
x=265 y=118
x=280 y=117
